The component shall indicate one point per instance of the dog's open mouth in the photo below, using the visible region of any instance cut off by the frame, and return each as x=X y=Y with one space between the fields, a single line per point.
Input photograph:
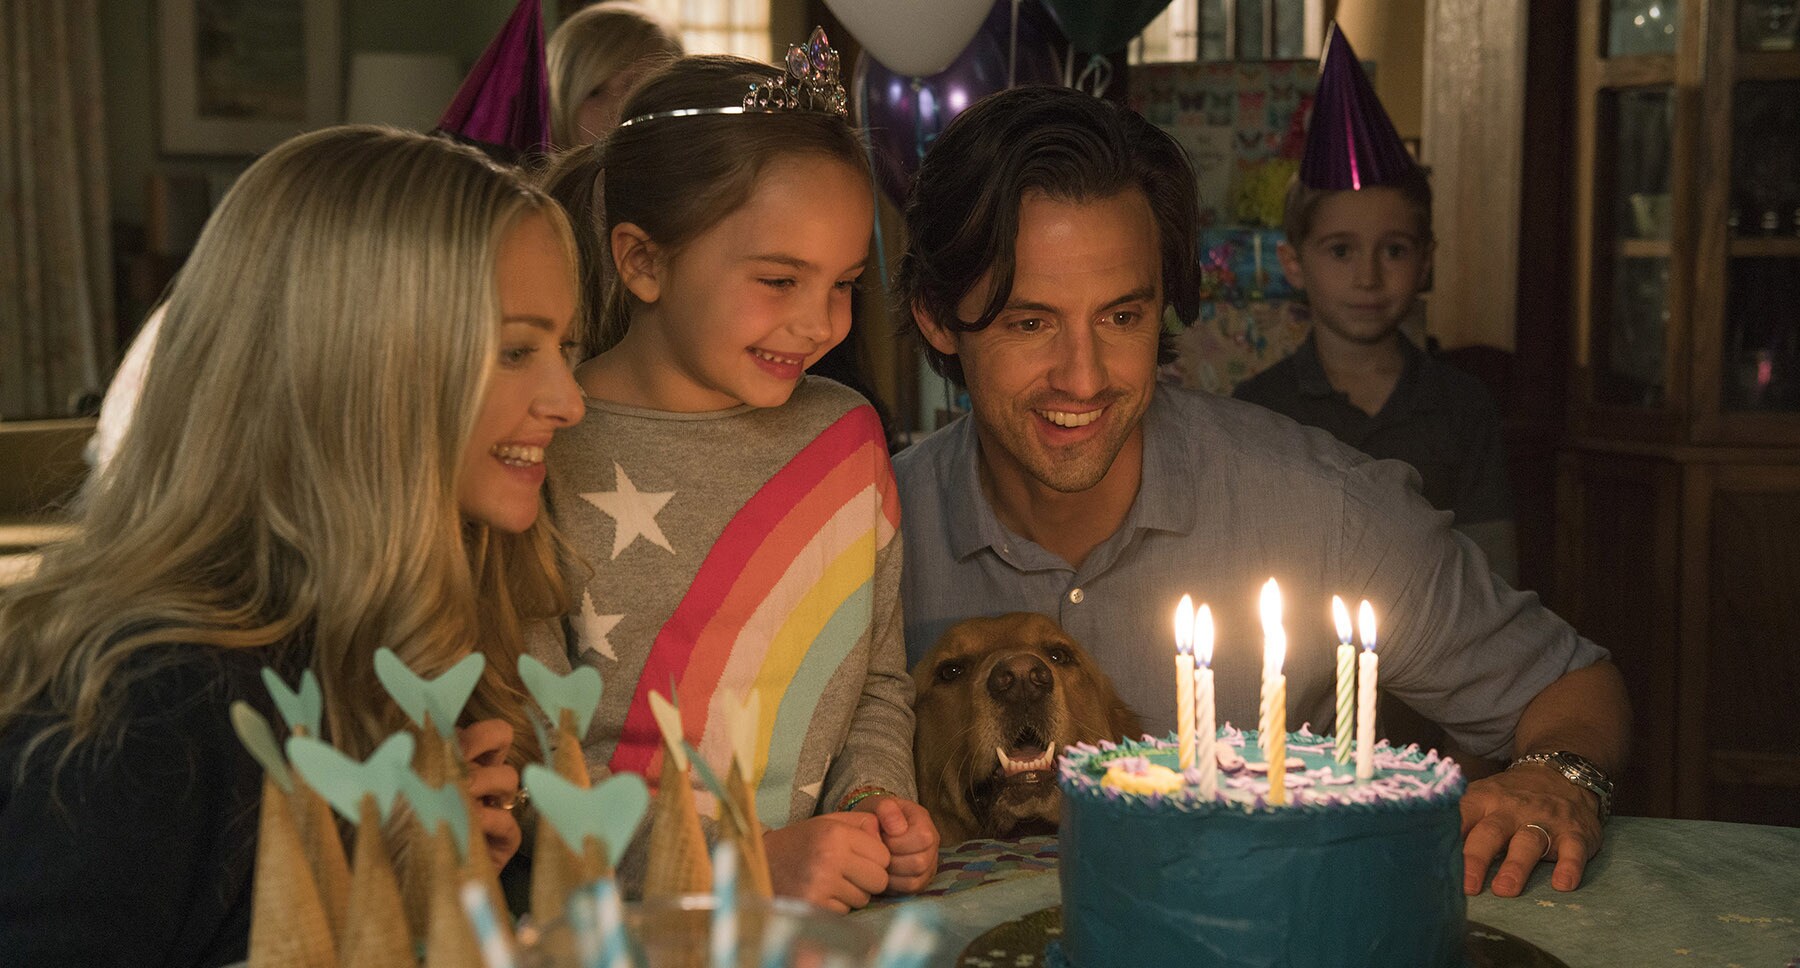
x=1026 y=760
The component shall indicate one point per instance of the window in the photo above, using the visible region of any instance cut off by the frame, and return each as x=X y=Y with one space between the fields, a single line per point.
x=719 y=26
x=1214 y=30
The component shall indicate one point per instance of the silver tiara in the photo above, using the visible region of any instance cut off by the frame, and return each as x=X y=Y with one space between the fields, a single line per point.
x=813 y=83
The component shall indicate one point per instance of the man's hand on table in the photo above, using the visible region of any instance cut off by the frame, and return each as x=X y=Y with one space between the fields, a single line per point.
x=1495 y=814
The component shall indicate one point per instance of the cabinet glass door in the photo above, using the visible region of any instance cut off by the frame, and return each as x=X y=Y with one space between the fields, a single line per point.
x=1631 y=283
x=1636 y=27
x=1762 y=321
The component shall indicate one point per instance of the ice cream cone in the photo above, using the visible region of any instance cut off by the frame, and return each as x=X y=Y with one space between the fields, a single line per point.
x=679 y=863
x=568 y=760
x=753 y=859
x=324 y=849
x=288 y=926
x=450 y=941
x=553 y=870
x=375 y=935
x=479 y=867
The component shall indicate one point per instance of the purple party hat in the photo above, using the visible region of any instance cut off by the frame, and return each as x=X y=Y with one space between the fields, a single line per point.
x=1351 y=144
x=504 y=103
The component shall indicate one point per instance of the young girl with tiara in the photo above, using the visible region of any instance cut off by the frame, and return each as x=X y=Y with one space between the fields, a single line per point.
x=737 y=517
x=339 y=448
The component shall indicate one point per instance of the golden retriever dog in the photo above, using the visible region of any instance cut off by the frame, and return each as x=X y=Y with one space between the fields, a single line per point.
x=998 y=699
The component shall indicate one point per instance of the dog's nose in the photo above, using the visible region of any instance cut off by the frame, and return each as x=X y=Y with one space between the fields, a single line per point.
x=1019 y=678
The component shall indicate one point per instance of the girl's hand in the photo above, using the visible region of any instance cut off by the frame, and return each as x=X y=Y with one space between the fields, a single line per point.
x=911 y=839
x=836 y=860
x=493 y=785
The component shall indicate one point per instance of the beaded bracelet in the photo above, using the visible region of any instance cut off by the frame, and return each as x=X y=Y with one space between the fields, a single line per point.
x=860 y=794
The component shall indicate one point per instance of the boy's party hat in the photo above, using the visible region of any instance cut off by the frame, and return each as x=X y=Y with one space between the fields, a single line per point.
x=503 y=105
x=1351 y=144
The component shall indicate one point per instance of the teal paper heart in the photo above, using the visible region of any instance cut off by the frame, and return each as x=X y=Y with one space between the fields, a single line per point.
x=343 y=782
x=254 y=732
x=303 y=708
x=443 y=698
x=609 y=812
x=578 y=692
x=438 y=805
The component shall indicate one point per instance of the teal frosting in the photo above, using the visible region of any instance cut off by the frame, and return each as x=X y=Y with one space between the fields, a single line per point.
x=1344 y=875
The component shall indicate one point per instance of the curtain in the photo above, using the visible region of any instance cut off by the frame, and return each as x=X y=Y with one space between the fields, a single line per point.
x=56 y=316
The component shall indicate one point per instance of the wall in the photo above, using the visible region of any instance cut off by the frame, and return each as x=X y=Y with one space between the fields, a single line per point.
x=128 y=29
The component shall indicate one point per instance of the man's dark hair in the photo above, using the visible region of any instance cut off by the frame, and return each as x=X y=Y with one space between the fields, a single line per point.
x=962 y=218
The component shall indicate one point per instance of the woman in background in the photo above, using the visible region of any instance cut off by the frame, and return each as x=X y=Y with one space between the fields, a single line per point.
x=339 y=448
x=596 y=57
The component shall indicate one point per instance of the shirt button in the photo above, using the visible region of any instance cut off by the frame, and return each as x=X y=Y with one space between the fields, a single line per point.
x=1076 y=595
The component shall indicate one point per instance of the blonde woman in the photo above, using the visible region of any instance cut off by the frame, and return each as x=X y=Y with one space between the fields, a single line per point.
x=596 y=57
x=339 y=448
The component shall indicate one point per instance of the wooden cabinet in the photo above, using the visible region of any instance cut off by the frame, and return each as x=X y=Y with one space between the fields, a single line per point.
x=1679 y=491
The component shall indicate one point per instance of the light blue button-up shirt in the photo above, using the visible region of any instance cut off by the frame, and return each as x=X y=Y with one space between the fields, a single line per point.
x=1232 y=495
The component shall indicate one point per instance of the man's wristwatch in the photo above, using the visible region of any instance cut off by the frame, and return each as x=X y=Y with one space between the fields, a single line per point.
x=1580 y=771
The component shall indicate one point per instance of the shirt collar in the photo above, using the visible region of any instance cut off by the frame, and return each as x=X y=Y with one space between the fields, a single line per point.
x=1311 y=381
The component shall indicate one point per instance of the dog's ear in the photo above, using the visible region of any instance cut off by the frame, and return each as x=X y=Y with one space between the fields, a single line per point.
x=1124 y=723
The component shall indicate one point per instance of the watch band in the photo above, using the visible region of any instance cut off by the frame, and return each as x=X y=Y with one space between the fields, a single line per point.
x=1579 y=770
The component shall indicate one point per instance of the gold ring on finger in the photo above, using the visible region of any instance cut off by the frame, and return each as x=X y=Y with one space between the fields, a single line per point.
x=1546 y=833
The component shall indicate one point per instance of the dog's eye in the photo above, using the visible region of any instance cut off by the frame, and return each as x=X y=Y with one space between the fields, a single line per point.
x=949 y=671
x=1060 y=655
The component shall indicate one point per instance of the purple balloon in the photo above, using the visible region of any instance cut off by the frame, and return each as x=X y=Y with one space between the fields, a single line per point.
x=904 y=115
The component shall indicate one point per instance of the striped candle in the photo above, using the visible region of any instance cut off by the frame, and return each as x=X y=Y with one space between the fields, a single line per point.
x=1278 y=741
x=1184 y=681
x=1368 y=670
x=724 y=938
x=1274 y=641
x=1206 y=760
x=1346 y=679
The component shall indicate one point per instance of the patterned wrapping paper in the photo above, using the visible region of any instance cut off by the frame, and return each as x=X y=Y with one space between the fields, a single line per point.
x=1234 y=119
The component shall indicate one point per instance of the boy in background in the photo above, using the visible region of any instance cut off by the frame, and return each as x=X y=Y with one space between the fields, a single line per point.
x=1359 y=243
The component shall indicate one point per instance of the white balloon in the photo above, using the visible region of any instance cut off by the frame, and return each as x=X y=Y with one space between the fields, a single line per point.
x=913 y=37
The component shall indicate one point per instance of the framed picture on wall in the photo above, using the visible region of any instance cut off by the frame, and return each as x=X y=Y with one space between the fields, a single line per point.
x=239 y=76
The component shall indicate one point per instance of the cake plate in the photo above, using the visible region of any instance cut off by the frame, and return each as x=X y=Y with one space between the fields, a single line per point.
x=1020 y=943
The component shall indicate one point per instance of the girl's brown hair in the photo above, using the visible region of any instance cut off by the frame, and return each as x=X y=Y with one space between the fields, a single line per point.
x=677 y=177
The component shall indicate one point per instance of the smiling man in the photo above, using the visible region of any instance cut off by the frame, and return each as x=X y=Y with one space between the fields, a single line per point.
x=1047 y=233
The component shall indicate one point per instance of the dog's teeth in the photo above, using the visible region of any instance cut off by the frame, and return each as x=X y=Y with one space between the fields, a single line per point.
x=1006 y=764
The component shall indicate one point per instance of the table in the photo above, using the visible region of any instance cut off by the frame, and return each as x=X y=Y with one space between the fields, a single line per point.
x=1685 y=893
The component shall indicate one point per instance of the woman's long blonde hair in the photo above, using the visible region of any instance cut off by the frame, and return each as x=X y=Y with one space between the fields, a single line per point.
x=291 y=471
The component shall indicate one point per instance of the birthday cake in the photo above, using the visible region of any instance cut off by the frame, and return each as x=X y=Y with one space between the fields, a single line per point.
x=1343 y=873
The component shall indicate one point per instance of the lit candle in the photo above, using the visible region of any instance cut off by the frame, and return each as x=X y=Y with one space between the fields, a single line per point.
x=1205 y=729
x=1274 y=643
x=1274 y=652
x=1184 y=680
x=1365 y=698
x=1346 y=679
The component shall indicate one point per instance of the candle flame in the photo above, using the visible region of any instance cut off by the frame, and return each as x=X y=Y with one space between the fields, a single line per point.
x=1203 y=635
x=1184 y=625
x=1365 y=621
x=1274 y=638
x=1340 y=613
